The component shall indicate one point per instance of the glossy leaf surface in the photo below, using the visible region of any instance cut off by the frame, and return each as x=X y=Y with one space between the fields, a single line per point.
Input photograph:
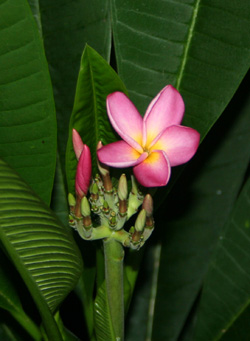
x=226 y=291
x=41 y=249
x=67 y=26
x=103 y=323
x=9 y=301
x=27 y=114
x=201 y=47
x=192 y=219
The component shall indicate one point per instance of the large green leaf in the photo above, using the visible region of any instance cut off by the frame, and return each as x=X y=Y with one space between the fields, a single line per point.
x=27 y=114
x=193 y=217
x=59 y=202
x=41 y=249
x=35 y=8
x=96 y=80
x=226 y=293
x=142 y=307
x=7 y=332
x=103 y=324
x=202 y=47
x=10 y=301
x=67 y=26
x=86 y=285
x=239 y=330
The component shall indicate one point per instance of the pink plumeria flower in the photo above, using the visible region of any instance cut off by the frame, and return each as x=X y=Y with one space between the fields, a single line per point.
x=151 y=145
x=84 y=166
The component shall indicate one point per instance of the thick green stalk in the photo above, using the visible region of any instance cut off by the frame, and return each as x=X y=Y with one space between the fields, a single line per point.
x=114 y=255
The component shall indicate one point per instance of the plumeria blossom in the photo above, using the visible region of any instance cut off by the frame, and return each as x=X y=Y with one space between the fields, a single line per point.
x=151 y=145
x=84 y=166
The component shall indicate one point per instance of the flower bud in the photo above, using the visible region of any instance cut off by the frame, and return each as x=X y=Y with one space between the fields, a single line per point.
x=105 y=207
x=140 y=221
x=77 y=143
x=71 y=200
x=148 y=205
x=134 y=189
x=94 y=191
x=85 y=208
x=104 y=170
x=94 y=188
x=112 y=219
x=123 y=187
x=83 y=172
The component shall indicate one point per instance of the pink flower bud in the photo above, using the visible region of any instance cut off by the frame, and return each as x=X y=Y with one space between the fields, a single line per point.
x=77 y=143
x=148 y=205
x=83 y=172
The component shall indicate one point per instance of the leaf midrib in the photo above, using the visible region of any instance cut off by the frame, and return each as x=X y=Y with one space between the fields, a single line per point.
x=189 y=38
x=94 y=100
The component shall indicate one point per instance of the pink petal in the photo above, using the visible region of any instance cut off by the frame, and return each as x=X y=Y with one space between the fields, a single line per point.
x=179 y=143
x=83 y=172
x=154 y=171
x=125 y=119
x=165 y=110
x=77 y=143
x=119 y=154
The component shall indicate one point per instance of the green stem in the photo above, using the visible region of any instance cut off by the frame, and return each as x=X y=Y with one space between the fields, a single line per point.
x=114 y=255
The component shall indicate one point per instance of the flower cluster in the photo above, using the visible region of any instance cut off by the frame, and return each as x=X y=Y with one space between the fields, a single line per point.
x=151 y=145
x=112 y=206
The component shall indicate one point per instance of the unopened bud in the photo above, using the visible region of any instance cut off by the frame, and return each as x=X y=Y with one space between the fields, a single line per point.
x=140 y=221
x=148 y=205
x=71 y=200
x=134 y=189
x=83 y=172
x=104 y=171
x=105 y=207
x=94 y=191
x=77 y=143
x=71 y=221
x=123 y=187
x=112 y=219
x=85 y=208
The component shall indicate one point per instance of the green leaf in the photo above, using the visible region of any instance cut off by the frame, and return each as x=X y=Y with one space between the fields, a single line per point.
x=132 y=264
x=8 y=332
x=35 y=8
x=67 y=335
x=59 y=202
x=226 y=293
x=103 y=324
x=9 y=301
x=240 y=329
x=67 y=26
x=85 y=292
x=199 y=46
x=190 y=222
x=27 y=114
x=41 y=249
x=142 y=307
x=96 y=80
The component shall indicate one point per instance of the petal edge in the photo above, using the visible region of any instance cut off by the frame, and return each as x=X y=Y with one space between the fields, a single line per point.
x=125 y=119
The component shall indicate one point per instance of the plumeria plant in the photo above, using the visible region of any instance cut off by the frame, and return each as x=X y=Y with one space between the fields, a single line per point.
x=152 y=145
x=117 y=225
